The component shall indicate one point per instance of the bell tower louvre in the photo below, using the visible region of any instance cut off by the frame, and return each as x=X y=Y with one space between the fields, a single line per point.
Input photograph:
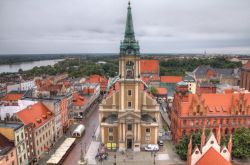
x=129 y=116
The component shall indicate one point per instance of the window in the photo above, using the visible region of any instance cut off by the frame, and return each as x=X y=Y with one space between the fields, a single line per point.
x=22 y=135
x=147 y=130
x=191 y=123
x=147 y=138
x=111 y=130
x=7 y=158
x=214 y=122
x=12 y=163
x=20 y=160
x=11 y=154
x=17 y=138
x=129 y=127
x=129 y=92
x=24 y=156
x=184 y=122
x=111 y=138
x=129 y=104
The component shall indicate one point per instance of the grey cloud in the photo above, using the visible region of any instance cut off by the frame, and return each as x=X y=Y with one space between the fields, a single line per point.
x=161 y=26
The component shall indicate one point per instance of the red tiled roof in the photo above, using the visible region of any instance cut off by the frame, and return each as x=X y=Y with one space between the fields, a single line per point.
x=171 y=79
x=98 y=79
x=149 y=66
x=215 y=103
x=12 y=97
x=78 y=100
x=38 y=114
x=212 y=157
x=162 y=91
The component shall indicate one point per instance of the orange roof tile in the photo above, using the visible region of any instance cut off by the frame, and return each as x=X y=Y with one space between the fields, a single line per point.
x=162 y=91
x=212 y=157
x=38 y=114
x=12 y=97
x=78 y=100
x=215 y=103
x=171 y=79
x=149 y=66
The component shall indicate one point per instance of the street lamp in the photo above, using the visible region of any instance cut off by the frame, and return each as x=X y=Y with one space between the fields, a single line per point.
x=82 y=161
x=115 y=159
x=154 y=156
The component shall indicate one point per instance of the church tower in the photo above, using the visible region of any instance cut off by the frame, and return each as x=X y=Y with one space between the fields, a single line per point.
x=129 y=115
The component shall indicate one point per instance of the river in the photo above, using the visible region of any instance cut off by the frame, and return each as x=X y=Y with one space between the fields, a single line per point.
x=27 y=65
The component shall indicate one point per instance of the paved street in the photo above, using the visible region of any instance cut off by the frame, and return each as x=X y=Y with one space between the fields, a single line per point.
x=165 y=156
x=91 y=124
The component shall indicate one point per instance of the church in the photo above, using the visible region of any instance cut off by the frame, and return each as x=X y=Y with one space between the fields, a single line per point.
x=129 y=115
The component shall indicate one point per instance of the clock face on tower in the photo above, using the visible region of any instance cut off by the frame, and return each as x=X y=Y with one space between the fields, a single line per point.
x=130 y=70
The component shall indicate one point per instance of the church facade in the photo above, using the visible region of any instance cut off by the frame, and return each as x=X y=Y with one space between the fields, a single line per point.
x=129 y=115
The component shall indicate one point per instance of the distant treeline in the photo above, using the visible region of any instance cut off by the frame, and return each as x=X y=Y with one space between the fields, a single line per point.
x=79 y=66
x=12 y=59
x=179 y=66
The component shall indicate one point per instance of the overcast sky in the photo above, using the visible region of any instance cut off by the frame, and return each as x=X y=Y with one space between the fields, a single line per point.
x=97 y=26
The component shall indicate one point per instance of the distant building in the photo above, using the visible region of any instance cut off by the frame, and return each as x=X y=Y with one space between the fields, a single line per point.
x=150 y=71
x=102 y=81
x=205 y=87
x=38 y=121
x=245 y=76
x=21 y=86
x=210 y=151
x=14 y=131
x=190 y=112
x=7 y=151
x=169 y=82
x=191 y=83
x=205 y=73
x=84 y=96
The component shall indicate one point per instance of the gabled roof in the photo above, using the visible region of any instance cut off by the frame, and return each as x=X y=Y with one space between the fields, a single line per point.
x=212 y=157
x=203 y=69
x=12 y=97
x=79 y=100
x=171 y=79
x=37 y=114
x=149 y=66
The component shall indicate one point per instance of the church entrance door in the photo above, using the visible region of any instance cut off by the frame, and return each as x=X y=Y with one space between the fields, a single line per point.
x=129 y=143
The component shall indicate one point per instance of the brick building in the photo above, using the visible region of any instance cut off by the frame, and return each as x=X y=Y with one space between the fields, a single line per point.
x=190 y=112
x=245 y=76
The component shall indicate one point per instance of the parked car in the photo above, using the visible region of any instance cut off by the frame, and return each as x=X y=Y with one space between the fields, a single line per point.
x=160 y=143
x=152 y=147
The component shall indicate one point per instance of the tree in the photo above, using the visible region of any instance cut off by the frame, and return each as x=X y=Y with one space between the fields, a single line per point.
x=241 y=143
x=153 y=90
x=182 y=146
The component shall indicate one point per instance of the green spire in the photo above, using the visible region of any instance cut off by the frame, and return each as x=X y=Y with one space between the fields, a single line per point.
x=129 y=31
x=129 y=46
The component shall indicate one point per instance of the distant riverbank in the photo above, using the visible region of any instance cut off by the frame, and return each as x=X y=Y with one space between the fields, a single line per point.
x=10 y=68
